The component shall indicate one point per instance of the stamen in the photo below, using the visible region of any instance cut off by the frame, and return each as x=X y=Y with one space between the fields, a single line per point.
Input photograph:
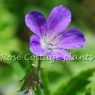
x=50 y=41
x=53 y=39
x=49 y=48
x=51 y=44
x=45 y=34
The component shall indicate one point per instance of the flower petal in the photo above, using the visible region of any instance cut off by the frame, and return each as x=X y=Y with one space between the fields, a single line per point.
x=71 y=39
x=34 y=21
x=59 y=19
x=36 y=47
x=60 y=55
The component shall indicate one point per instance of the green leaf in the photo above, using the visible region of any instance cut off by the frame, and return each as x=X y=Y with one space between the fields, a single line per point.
x=6 y=73
x=88 y=92
x=18 y=69
x=44 y=81
x=25 y=64
x=75 y=84
x=37 y=91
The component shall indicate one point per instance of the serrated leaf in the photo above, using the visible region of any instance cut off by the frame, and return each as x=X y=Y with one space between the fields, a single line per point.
x=75 y=84
x=88 y=92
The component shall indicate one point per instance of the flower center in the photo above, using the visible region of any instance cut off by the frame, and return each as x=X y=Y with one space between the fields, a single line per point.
x=49 y=42
x=48 y=46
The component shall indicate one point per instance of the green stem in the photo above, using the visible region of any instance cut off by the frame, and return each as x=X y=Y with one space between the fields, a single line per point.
x=39 y=63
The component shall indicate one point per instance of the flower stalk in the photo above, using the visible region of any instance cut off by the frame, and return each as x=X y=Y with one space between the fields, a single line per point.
x=32 y=79
x=39 y=64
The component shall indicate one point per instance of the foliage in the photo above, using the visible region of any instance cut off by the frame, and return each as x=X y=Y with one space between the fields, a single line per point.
x=88 y=92
x=59 y=78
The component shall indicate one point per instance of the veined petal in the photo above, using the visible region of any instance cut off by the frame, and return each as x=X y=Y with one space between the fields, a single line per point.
x=36 y=47
x=34 y=21
x=59 y=19
x=60 y=55
x=71 y=39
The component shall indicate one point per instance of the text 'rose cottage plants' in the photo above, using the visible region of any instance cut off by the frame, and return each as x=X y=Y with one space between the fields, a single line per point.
x=50 y=37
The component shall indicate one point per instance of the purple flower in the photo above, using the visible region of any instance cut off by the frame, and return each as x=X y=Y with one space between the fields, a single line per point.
x=50 y=36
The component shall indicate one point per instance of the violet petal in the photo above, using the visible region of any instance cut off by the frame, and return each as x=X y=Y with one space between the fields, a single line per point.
x=60 y=55
x=35 y=21
x=36 y=47
x=71 y=39
x=59 y=19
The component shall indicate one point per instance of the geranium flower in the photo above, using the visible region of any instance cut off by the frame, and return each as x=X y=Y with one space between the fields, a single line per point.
x=50 y=36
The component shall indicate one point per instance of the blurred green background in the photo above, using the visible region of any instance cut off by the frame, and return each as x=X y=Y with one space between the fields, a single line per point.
x=59 y=78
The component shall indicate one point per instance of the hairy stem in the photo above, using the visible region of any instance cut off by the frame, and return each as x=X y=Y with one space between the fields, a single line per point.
x=30 y=92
